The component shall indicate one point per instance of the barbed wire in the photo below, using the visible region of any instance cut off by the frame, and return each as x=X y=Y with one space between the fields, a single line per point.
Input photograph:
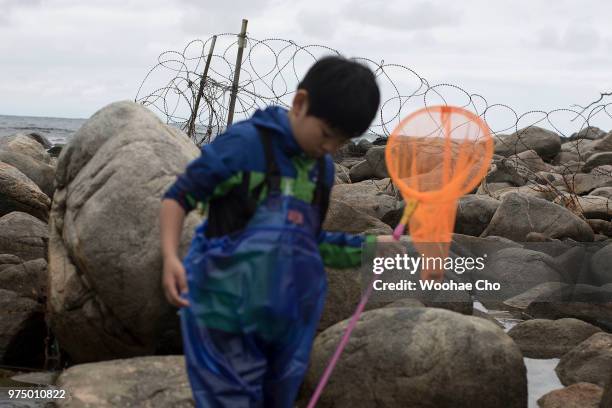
x=271 y=69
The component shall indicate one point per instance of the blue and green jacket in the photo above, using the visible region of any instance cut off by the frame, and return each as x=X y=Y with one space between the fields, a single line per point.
x=225 y=160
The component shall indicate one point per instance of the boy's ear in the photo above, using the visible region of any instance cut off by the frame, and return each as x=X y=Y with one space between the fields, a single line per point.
x=300 y=102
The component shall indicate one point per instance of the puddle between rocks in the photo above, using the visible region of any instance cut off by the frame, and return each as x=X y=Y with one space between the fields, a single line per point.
x=541 y=376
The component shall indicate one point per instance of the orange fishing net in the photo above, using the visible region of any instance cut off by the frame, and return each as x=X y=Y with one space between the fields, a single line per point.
x=435 y=156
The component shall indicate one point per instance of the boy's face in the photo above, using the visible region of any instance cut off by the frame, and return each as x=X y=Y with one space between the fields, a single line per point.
x=315 y=137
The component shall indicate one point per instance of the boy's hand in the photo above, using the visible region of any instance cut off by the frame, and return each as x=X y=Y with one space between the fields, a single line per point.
x=174 y=281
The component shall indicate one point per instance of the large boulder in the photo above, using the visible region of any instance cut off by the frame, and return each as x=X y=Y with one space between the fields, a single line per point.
x=590 y=361
x=579 y=395
x=365 y=196
x=19 y=193
x=544 y=142
x=344 y=217
x=154 y=382
x=24 y=236
x=592 y=304
x=542 y=338
x=400 y=357
x=42 y=174
x=518 y=215
x=22 y=330
x=474 y=212
x=104 y=259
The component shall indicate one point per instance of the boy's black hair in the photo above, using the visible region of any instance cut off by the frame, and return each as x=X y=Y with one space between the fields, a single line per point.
x=343 y=93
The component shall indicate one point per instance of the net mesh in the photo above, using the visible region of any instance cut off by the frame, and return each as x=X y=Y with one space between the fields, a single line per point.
x=435 y=156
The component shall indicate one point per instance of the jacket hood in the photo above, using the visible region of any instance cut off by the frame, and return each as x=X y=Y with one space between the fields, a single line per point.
x=276 y=119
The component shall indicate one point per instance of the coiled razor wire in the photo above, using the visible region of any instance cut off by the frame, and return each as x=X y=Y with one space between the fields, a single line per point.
x=271 y=69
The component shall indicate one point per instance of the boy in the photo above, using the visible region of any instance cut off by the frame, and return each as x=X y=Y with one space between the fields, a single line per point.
x=252 y=286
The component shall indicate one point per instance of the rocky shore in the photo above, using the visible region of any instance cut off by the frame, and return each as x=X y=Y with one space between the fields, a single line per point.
x=80 y=269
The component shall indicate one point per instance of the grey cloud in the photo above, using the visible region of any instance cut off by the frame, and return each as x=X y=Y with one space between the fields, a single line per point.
x=423 y=15
x=7 y=8
x=572 y=39
x=219 y=16
x=317 y=24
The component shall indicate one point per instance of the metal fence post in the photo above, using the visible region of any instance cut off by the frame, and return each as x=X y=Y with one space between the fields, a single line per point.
x=194 y=112
x=241 y=45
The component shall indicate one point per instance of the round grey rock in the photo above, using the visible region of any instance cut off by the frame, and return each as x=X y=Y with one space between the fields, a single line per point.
x=590 y=361
x=401 y=356
x=541 y=338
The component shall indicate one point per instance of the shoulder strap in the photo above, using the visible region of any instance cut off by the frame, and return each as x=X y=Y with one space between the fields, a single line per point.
x=321 y=196
x=273 y=174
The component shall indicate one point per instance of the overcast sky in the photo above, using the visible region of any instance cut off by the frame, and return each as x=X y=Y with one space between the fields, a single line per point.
x=68 y=58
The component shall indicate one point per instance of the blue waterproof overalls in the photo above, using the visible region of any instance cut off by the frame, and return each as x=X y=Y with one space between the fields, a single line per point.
x=256 y=298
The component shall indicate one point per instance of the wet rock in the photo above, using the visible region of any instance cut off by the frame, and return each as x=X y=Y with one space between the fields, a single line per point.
x=541 y=338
